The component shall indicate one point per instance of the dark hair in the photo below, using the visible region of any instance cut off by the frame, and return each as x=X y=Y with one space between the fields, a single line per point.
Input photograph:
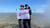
x=26 y=5
x=21 y=5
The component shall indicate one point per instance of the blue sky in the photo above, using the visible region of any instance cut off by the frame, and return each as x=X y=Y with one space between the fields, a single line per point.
x=11 y=5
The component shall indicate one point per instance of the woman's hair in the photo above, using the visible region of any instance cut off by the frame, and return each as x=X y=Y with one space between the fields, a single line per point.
x=21 y=5
x=26 y=5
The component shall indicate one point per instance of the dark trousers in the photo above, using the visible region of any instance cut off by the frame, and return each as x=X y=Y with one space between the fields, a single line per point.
x=20 y=23
x=28 y=22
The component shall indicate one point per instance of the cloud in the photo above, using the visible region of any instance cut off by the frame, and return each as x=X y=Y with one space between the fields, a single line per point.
x=39 y=11
x=7 y=11
x=34 y=6
x=43 y=5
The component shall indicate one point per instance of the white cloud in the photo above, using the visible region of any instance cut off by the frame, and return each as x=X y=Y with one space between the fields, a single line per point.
x=34 y=6
x=39 y=11
x=7 y=11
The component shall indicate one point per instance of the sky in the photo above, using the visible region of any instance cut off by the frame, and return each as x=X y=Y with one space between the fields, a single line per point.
x=10 y=6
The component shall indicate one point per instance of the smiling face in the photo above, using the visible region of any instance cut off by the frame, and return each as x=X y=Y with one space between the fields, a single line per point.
x=26 y=6
x=22 y=7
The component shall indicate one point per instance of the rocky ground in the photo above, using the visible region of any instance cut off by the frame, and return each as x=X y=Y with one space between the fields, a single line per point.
x=11 y=21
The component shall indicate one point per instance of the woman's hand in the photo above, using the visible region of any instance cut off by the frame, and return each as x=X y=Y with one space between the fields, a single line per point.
x=29 y=9
x=16 y=9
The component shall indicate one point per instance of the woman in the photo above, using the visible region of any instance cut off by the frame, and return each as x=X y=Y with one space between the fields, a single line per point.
x=27 y=20
x=20 y=21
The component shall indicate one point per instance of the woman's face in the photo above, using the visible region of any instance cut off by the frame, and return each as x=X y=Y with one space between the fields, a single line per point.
x=22 y=7
x=26 y=6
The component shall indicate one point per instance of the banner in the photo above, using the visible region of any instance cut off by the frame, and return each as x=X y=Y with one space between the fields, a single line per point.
x=23 y=14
